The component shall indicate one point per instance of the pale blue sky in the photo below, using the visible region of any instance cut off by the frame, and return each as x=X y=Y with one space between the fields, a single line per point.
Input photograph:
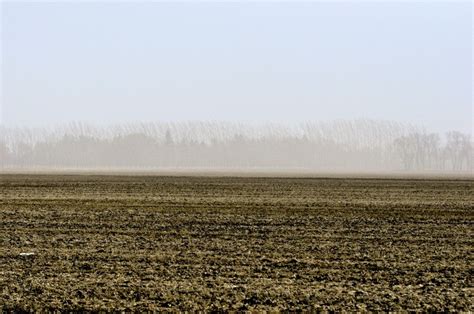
x=261 y=61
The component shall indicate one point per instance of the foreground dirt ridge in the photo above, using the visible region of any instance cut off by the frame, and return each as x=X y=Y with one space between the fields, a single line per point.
x=218 y=243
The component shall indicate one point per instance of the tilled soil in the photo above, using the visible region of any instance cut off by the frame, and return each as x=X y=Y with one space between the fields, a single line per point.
x=204 y=243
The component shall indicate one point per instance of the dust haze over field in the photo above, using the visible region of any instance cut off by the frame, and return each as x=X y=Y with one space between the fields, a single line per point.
x=361 y=146
x=262 y=86
x=249 y=156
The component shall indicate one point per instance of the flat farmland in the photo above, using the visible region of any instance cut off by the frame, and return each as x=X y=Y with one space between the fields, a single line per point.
x=235 y=243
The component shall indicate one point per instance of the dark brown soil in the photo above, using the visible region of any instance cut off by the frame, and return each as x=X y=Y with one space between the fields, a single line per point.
x=195 y=243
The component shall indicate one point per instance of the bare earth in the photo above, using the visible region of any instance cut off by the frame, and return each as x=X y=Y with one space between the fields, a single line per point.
x=220 y=243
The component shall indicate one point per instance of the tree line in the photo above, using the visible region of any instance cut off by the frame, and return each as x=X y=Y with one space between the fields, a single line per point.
x=359 y=145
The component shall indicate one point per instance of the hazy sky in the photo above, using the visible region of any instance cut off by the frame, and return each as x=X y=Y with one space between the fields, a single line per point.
x=260 y=61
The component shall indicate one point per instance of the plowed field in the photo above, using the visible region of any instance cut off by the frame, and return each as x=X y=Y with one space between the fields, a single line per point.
x=215 y=243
